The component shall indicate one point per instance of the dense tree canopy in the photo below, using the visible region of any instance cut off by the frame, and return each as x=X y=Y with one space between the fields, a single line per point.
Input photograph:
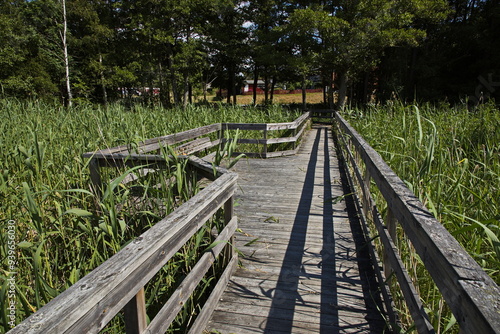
x=167 y=51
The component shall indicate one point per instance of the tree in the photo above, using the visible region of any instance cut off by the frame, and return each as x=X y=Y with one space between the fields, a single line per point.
x=301 y=34
x=50 y=50
x=267 y=53
x=24 y=70
x=227 y=42
x=459 y=59
x=353 y=35
x=107 y=47
x=92 y=25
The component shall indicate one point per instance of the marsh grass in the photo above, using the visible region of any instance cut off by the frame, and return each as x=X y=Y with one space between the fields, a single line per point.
x=62 y=230
x=450 y=158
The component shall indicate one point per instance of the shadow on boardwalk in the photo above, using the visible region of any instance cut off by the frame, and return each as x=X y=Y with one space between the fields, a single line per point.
x=306 y=269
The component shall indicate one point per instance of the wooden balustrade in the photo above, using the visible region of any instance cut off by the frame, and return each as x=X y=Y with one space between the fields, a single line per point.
x=118 y=283
x=193 y=141
x=473 y=297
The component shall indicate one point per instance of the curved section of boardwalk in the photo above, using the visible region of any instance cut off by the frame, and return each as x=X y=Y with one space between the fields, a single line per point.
x=304 y=269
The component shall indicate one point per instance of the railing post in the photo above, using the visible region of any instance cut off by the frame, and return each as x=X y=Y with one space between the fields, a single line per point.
x=135 y=314
x=294 y=135
x=228 y=215
x=264 y=149
x=390 y=224
x=366 y=192
x=95 y=176
x=221 y=135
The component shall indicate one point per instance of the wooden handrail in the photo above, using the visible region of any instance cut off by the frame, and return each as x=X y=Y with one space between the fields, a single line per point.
x=155 y=144
x=328 y=114
x=118 y=283
x=124 y=155
x=473 y=297
x=298 y=126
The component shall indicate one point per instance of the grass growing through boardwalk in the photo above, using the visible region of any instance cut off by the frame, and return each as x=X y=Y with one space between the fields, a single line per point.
x=54 y=230
x=450 y=158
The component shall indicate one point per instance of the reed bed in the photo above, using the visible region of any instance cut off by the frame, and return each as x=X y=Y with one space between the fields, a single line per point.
x=55 y=230
x=450 y=158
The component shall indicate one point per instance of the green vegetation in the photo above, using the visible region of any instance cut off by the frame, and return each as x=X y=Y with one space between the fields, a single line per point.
x=450 y=158
x=170 y=51
x=62 y=230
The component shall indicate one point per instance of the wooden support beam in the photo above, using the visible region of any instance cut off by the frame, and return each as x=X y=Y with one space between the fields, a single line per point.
x=135 y=314
x=95 y=176
x=264 y=147
x=390 y=223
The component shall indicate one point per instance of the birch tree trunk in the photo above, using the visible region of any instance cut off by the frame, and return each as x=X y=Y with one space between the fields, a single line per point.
x=64 y=33
x=103 y=82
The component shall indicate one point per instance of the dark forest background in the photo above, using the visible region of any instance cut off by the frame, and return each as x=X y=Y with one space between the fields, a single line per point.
x=169 y=51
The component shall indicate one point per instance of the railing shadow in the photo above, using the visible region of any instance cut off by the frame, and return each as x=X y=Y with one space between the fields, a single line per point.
x=287 y=293
x=371 y=288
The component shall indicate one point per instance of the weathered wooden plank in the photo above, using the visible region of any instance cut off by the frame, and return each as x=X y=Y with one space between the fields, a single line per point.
x=244 y=126
x=251 y=141
x=155 y=143
x=412 y=298
x=475 y=306
x=303 y=314
x=281 y=153
x=281 y=140
x=384 y=288
x=205 y=168
x=194 y=146
x=249 y=323
x=120 y=159
x=287 y=126
x=169 y=311
x=268 y=272
x=212 y=301
x=246 y=324
x=281 y=126
x=117 y=280
x=135 y=314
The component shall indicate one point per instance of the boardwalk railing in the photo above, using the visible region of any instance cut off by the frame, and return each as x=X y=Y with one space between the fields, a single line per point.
x=118 y=283
x=297 y=128
x=326 y=115
x=196 y=140
x=471 y=294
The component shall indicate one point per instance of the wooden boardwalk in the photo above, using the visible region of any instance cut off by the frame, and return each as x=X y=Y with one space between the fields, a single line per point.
x=305 y=269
